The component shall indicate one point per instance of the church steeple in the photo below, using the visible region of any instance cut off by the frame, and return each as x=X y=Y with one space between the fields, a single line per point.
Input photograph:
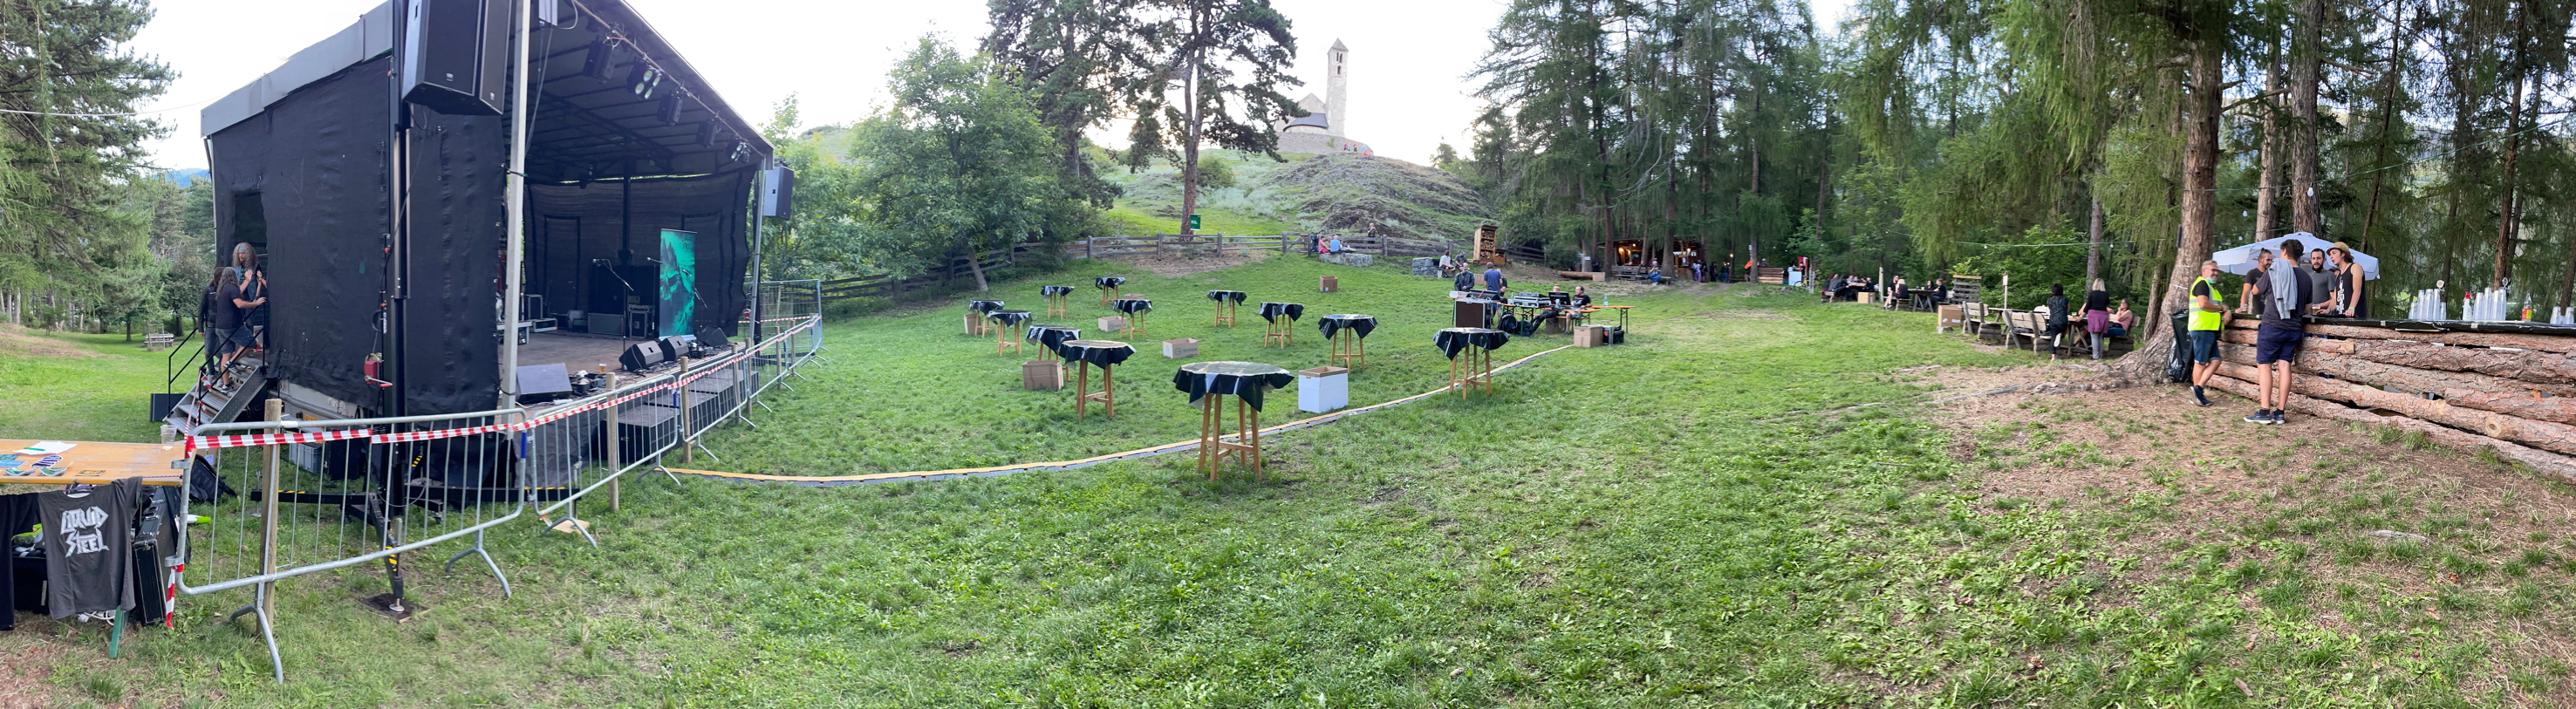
x=1336 y=90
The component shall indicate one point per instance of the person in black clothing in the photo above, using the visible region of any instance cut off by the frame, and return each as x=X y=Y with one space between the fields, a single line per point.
x=206 y=318
x=2057 y=306
x=2282 y=294
x=2097 y=315
x=2348 y=277
x=230 y=309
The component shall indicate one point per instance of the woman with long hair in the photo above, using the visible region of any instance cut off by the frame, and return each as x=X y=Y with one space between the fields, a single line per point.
x=2097 y=315
x=2348 y=276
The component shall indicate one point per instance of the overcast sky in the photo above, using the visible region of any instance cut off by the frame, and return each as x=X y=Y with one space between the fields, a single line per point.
x=1408 y=83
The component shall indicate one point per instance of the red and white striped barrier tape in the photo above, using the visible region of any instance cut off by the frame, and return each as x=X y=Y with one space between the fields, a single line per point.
x=197 y=443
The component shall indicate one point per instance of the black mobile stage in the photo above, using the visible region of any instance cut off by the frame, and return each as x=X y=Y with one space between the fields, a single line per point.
x=369 y=174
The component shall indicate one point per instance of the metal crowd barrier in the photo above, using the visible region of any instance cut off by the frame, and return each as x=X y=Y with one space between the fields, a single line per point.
x=287 y=498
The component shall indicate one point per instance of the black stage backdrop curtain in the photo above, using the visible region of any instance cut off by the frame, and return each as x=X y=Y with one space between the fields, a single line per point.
x=572 y=225
x=314 y=162
x=451 y=360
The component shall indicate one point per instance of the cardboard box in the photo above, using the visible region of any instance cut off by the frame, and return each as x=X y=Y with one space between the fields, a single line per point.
x=1865 y=297
x=975 y=324
x=1591 y=335
x=1332 y=284
x=1042 y=376
x=1184 y=347
x=1323 y=389
x=1951 y=316
x=1113 y=324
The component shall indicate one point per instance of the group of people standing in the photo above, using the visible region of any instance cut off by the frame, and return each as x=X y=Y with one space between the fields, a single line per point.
x=2101 y=321
x=2282 y=292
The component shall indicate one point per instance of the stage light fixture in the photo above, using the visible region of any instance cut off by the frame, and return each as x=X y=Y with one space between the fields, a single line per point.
x=741 y=150
x=670 y=110
x=707 y=134
x=644 y=79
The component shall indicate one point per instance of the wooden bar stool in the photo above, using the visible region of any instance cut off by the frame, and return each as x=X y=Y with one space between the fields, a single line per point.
x=1225 y=302
x=1007 y=329
x=1086 y=353
x=1283 y=322
x=1108 y=287
x=1135 y=310
x=1209 y=385
x=1471 y=361
x=976 y=312
x=1349 y=335
x=1055 y=300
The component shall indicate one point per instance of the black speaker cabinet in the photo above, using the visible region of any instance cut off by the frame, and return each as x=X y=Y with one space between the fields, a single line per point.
x=777 y=192
x=643 y=355
x=456 y=55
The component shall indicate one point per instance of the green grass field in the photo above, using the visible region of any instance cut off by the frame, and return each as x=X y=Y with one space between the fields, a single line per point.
x=1705 y=517
x=77 y=387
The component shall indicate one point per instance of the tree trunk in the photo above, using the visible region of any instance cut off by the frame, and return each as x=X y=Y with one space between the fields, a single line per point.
x=1190 y=149
x=975 y=264
x=2506 y=220
x=2093 y=250
x=2387 y=121
x=2199 y=206
x=2307 y=63
x=2267 y=180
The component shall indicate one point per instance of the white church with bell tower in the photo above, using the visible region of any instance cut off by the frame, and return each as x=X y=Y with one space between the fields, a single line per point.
x=1326 y=126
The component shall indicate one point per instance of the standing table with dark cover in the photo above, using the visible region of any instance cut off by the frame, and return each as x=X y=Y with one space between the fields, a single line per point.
x=1478 y=344
x=1208 y=384
x=1052 y=337
x=1282 y=317
x=1055 y=297
x=975 y=312
x=1135 y=308
x=1348 y=333
x=1108 y=287
x=1225 y=302
x=1084 y=354
x=1006 y=323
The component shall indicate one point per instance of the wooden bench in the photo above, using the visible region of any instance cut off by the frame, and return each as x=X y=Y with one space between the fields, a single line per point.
x=1581 y=276
x=2022 y=324
x=1972 y=316
x=159 y=341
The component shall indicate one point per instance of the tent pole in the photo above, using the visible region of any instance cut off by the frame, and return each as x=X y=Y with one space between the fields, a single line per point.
x=516 y=193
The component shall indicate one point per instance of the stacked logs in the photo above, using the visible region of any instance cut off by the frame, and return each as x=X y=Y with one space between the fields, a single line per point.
x=2511 y=393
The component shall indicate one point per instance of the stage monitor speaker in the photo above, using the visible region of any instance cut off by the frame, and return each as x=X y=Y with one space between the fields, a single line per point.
x=712 y=336
x=455 y=55
x=543 y=382
x=778 y=192
x=643 y=355
x=677 y=346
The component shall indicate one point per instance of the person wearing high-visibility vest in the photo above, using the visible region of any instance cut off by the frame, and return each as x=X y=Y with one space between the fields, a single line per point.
x=2208 y=317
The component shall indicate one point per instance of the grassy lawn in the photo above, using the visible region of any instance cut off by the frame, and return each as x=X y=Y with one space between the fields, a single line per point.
x=78 y=387
x=1706 y=517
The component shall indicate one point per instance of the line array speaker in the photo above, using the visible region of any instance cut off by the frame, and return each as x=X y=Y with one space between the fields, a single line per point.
x=778 y=193
x=456 y=54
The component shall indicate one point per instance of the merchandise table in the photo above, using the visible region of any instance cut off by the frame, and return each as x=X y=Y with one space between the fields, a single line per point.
x=1209 y=384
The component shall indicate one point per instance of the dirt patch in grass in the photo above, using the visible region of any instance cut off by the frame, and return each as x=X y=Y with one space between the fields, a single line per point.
x=18 y=341
x=2382 y=532
x=1176 y=265
x=23 y=675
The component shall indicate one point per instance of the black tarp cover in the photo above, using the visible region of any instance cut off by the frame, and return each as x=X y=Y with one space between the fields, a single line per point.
x=456 y=230
x=317 y=161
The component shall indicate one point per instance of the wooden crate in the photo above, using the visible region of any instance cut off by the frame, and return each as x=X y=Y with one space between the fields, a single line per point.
x=1042 y=376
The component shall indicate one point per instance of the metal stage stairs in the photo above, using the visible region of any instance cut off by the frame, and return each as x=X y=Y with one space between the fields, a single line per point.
x=207 y=403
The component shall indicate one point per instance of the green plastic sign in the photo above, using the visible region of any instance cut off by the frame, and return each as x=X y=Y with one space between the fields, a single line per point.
x=1194 y=222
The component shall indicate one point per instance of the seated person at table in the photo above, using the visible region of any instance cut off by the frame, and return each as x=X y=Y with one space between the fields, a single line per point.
x=2122 y=320
x=1897 y=293
x=1464 y=281
x=1581 y=298
x=1655 y=275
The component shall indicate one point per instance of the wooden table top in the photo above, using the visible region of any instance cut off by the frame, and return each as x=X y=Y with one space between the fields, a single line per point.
x=92 y=463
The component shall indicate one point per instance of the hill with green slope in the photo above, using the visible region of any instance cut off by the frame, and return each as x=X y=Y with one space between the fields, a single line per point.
x=1337 y=193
